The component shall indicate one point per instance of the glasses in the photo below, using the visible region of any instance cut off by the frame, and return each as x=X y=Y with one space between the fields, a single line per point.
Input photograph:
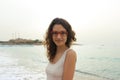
x=62 y=33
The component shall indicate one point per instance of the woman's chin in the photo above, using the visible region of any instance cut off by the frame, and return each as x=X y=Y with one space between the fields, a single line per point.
x=59 y=45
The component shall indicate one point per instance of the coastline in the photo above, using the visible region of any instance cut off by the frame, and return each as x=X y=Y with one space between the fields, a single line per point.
x=20 y=61
x=82 y=76
x=20 y=41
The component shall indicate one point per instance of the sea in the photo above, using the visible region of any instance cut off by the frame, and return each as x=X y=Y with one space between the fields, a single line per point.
x=28 y=62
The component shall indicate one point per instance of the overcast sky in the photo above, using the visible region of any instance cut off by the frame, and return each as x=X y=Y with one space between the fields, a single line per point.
x=92 y=20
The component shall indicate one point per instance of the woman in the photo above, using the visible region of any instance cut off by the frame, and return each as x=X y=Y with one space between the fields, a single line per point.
x=62 y=59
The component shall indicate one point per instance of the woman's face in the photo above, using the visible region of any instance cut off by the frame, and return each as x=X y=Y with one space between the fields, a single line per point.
x=59 y=35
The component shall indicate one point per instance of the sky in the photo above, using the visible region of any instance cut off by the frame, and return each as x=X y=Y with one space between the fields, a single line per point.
x=94 y=21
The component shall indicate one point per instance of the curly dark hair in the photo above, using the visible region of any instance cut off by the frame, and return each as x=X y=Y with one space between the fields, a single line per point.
x=51 y=46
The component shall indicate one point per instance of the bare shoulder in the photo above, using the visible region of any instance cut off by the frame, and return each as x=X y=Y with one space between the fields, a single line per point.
x=71 y=54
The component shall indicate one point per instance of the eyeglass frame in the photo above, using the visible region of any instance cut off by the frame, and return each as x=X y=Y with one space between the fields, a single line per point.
x=62 y=33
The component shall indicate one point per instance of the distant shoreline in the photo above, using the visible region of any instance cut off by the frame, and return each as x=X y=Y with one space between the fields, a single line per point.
x=20 y=41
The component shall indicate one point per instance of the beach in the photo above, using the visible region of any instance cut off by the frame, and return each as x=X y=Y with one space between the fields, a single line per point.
x=29 y=63
x=11 y=70
x=88 y=77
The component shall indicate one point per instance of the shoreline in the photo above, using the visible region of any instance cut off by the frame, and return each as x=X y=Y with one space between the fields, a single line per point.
x=20 y=41
x=34 y=65
x=82 y=76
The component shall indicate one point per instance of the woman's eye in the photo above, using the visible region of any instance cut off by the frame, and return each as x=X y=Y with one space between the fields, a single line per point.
x=55 y=32
x=62 y=32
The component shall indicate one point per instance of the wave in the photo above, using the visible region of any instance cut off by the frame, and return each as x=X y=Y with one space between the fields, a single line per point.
x=91 y=74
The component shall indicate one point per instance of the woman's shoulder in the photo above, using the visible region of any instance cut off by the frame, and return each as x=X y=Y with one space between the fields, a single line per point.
x=71 y=54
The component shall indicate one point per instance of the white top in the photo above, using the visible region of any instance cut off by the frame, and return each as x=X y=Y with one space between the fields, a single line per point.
x=55 y=71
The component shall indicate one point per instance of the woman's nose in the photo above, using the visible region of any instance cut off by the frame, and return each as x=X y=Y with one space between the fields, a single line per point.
x=59 y=36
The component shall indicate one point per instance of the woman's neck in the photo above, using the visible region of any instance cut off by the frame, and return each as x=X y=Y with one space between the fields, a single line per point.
x=61 y=49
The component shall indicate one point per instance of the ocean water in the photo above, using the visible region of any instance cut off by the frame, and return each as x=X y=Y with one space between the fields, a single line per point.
x=28 y=62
